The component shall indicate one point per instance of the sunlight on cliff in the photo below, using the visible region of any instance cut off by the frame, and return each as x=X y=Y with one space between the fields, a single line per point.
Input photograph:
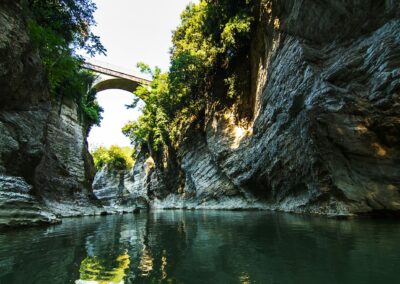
x=277 y=24
x=236 y=131
x=379 y=150
x=149 y=165
x=239 y=133
x=360 y=128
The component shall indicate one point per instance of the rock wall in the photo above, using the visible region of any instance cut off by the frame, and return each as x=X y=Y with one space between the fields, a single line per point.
x=45 y=168
x=325 y=136
x=21 y=73
x=123 y=190
x=64 y=176
x=44 y=155
x=116 y=191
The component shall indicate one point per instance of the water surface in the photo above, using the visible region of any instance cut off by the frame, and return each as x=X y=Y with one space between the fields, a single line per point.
x=203 y=247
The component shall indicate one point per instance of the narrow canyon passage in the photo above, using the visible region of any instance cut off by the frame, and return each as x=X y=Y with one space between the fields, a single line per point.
x=261 y=142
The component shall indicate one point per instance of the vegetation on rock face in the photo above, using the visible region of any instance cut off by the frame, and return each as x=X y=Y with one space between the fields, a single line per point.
x=206 y=46
x=151 y=129
x=211 y=36
x=60 y=28
x=115 y=157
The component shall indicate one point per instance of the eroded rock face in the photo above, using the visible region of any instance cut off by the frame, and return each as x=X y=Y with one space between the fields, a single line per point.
x=316 y=144
x=64 y=176
x=325 y=137
x=46 y=147
x=325 y=21
x=19 y=207
x=44 y=162
x=21 y=73
x=123 y=190
x=112 y=188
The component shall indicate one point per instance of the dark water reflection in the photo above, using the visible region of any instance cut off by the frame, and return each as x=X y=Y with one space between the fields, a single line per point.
x=203 y=247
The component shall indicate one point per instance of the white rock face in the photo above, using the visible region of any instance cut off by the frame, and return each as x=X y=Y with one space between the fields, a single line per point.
x=117 y=191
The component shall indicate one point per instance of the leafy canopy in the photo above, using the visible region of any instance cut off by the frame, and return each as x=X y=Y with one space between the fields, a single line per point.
x=60 y=28
x=115 y=157
x=211 y=37
x=150 y=130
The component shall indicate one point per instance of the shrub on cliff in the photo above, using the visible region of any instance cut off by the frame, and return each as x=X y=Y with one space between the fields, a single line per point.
x=212 y=34
x=60 y=28
x=150 y=130
x=211 y=37
x=114 y=158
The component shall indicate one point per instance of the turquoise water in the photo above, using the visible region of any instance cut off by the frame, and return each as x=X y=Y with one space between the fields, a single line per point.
x=203 y=247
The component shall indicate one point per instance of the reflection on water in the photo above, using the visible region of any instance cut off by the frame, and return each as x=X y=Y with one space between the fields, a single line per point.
x=203 y=247
x=146 y=262
x=95 y=269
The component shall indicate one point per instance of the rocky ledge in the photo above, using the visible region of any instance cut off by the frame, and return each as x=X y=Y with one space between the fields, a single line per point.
x=19 y=207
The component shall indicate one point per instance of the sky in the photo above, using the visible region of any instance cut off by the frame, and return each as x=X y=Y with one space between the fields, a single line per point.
x=132 y=31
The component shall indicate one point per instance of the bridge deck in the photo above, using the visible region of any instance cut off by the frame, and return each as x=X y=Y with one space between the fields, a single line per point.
x=106 y=70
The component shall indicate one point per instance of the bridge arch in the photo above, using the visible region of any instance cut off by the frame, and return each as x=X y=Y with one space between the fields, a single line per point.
x=112 y=77
x=103 y=83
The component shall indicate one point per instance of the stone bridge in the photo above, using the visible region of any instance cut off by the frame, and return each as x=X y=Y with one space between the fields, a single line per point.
x=113 y=77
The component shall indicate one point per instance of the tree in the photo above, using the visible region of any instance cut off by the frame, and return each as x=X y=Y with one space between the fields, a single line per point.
x=211 y=37
x=69 y=20
x=60 y=28
x=114 y=157
x=150 y=130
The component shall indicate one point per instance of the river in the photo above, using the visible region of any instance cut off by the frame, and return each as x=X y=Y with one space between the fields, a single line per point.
x=203 y=247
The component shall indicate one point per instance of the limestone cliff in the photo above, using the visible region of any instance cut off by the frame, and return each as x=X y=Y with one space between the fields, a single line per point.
x=45 y=168
x=317 y=130
x=117 y=190
x=324 y=136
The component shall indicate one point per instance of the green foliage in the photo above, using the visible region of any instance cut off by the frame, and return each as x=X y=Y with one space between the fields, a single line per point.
x=86 y=97
x=69 y=20
x=59 y=28
x=115 y=157
x=150 y=130
x=212 y=35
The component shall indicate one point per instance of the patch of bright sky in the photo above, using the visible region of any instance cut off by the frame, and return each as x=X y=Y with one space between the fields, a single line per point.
x=132 y=31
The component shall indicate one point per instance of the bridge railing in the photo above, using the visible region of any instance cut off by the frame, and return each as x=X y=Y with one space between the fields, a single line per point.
x=112 y=70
